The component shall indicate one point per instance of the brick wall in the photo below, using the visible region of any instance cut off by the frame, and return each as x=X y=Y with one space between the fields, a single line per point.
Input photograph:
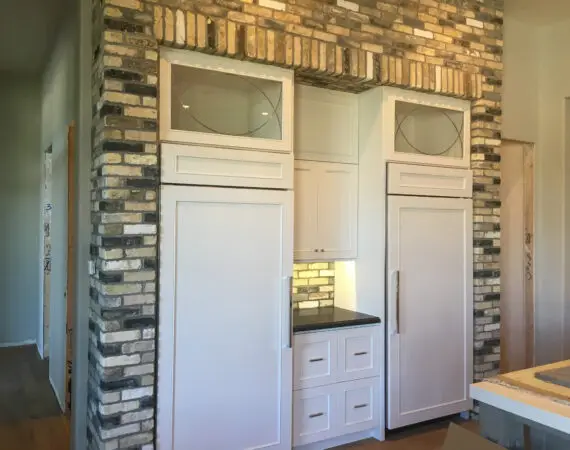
x=313 y=284
x=452 y=47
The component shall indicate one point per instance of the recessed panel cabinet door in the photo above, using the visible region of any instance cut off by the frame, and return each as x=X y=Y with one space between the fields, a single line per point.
x=326 y=196
x=429 y=308
x=337 y=210
x=306 y=222
x=225 y=358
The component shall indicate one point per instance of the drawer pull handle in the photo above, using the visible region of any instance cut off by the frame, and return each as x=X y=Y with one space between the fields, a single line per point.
x=360 y=353
x=362 y=405
x=312 y=416
x=316 y=359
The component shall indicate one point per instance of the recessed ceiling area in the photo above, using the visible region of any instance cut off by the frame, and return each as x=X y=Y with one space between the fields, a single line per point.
x=539 y=12
x=27 y=32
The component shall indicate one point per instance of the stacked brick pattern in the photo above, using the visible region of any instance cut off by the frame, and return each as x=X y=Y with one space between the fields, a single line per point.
x=124 y=220
x=313 y=285
x=452 y=47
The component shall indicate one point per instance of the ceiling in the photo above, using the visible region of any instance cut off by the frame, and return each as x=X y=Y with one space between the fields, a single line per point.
x=538 y=11
x=27 y=33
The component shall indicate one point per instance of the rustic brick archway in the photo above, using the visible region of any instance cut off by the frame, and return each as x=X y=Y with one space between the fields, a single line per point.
x=441 y=46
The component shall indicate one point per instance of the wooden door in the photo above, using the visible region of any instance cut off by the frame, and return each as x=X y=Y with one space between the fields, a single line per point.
x=516 y=266
x=225 y=358
x=306 y=201
x=337 y=210
x=429 y=308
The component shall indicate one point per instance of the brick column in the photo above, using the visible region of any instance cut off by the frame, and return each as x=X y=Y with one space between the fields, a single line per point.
x=124 y=219
x=485 y=162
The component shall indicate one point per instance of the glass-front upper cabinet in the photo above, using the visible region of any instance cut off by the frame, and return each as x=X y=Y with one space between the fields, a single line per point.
x=425 y=128
x=218 y=101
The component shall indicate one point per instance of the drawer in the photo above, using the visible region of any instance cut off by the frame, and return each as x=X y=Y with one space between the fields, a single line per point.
x=359 y=405
x=358 y=353
x=334 y=410
x=315 y=359
x=212 y=166
x=313 y=415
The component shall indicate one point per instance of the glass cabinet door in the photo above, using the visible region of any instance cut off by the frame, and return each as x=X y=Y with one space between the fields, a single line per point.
x=428 y=130
x=227 y=107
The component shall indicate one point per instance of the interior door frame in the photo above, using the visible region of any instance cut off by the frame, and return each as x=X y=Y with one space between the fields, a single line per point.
x=394 y=420
x=70 y=287
x=529 y=224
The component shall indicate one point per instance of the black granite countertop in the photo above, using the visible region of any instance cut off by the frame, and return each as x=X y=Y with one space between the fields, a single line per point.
x=312 y=319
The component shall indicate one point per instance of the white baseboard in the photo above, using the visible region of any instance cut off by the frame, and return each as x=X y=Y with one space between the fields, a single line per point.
x=59 y=400
x=18 y=344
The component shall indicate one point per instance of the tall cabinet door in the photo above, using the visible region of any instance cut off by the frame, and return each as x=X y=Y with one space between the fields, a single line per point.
x=429 y=308
x=225 y=358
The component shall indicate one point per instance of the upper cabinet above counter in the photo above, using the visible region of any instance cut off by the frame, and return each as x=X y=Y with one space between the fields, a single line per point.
x=257 y=102
x=326 y=125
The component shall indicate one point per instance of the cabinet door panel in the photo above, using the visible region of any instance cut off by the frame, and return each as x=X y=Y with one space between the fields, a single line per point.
x=206 y=99
x=337 y=210
x=306 y=192
x=225 y=361
x=429 y=308
x=326 y=125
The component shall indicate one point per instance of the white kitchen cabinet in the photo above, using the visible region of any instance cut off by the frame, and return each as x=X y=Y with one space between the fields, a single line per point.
x=210 y=166
x=222 y=102
x=337 y=383
x=315 y=359
x=326 y=197
x=420 y=128
x=225 y=358
x=314 y=412
x=326 y=125
x=429 y=308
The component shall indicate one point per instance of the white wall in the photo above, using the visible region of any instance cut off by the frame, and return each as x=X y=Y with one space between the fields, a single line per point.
x=58 y=110
x=553 y=86
x=520 y=80
x=536 y=84
x=20 y=175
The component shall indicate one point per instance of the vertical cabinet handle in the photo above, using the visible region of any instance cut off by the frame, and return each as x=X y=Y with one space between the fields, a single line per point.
x=290 y=312
x=397 y=302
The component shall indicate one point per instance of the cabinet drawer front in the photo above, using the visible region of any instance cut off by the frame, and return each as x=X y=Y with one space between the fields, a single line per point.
x=210 y=166
x=315 y=359
x=313 y=411
x=359 y=404
x=409 y=179
x=359 y=353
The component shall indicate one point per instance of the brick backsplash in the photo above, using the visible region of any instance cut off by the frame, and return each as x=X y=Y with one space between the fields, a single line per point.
x=313 y=285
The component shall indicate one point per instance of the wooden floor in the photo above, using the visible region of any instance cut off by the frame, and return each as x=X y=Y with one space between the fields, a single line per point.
x=422 y=437
x=53 y=434
x=25 y=390
x=50 y=433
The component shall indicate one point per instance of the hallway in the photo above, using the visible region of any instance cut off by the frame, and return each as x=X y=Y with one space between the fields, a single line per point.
x=25 y=391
